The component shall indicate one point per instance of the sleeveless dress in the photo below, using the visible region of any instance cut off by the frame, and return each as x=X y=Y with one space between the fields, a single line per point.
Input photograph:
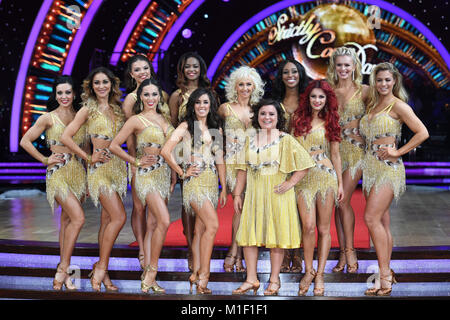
x=351 y=150
x=235 y=133
x=155 y=178
x=322 y=178
x=377 y=172
x=67 y=176
x=270 y=219
x=105 y=178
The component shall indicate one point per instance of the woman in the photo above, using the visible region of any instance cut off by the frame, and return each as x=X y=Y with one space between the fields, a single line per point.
x=152 y=180
x=271 y=164
x=383 y=169
x=66 y=176
x=344 y=74
x=191 y=75
x=316 y=126
x=137 y=70
x=202 y=140
x=289 y=84
x=244 y=88
x=107 y=176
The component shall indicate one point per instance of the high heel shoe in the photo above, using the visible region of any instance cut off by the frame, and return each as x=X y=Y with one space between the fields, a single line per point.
x=96 y=284
x=351 y=268
x=286 y=264
x=384 y=292
x=193 y=279
x=341 y=262
x=229 y=267
x=239 y=265
x=304 y=286
x=109 y=286
x=154 y=286
x=202 y=289
x=57 y=285
x=141 y=260
x=253 y=286
x=318 y=291
x=296 y=260
x=273 y=292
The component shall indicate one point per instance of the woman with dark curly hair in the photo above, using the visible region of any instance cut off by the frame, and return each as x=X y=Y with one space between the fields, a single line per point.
x=107 y=175
x=201 y=136
x=66 y=176
x=316 y=127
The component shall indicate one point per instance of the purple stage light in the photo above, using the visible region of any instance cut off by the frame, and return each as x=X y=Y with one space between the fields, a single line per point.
x=21 y=164
x=187 y=33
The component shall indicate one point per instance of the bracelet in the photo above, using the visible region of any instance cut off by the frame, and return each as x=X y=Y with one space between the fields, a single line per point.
x=45 y=161
x=236 y=195
x=137 y=163
x=183 y=176
x=89 y=160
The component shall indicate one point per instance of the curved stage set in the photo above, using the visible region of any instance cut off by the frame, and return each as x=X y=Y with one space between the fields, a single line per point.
x=53 y=37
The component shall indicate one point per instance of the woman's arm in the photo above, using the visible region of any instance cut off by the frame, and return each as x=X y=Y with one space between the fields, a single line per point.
x=241 y=181
x=337 y=164
x=173 y=107
x=127 y=108
x=291 y=182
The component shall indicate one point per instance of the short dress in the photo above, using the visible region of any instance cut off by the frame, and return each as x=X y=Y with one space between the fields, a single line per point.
x=235 y=133
x=269 y=219
x=155 y=178
x=322 y=178
x=67 y=176
x=377 y=172
x=109 y=177
x=351 y=150
x=204 y=187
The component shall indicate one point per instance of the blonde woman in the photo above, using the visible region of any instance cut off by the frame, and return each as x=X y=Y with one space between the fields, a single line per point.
x=344 y=74
x=244 y=89
x=383 y=169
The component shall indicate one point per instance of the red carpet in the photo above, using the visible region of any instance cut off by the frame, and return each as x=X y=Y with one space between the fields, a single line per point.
x=175 y=235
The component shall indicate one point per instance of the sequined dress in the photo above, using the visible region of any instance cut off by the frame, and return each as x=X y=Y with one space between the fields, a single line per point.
x=182 y=109
x=155 y=178
x=69 y=175
x=382 y=131
x=322 y=178
x=269 y=219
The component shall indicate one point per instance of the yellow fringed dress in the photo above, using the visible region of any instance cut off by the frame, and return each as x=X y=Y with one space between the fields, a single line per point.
x=155 y=178
x=352 y=150
x=109 y=177
x=269 y=219
x=377 y=172
x=184 y=100
x=235 y=133
x=67 y=176
x=322 y=178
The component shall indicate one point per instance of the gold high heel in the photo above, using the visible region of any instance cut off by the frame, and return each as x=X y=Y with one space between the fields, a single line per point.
x=193 y=279
x=303 y=288
x=272 y=292
x=318 y=291
x=351 y=268
x=384 y=292
x=202 y=289
x=285 y=265
x=109 y=286
x=229 y=267
x=96 y=284
x=155 y=287
x=141 y=260
x=57 y=285
x=341 y=263
x=239 y=265
x=254 y=286
x=296 y=265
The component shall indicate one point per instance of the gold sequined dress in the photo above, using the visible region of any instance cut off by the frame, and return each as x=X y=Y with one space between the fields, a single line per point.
x=69 y=175
x=382 y=131
x=322 y=178
x=184 y=100
x=155 y=178
x=270 y=219
x=109 y=177
x=352 y=145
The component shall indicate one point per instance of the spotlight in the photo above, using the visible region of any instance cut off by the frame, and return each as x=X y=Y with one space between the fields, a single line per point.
x=187 y=33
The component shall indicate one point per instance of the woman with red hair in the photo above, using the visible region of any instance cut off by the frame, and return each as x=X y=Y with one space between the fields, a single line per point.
x=315 y=125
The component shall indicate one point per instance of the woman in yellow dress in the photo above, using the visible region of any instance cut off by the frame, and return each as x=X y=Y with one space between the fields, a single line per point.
x=201 y=137
x=316 y=126
x=244 y=88
x=290 y=82
x=152 y=181
x=191 y=75
x=269 y=167
x=137 y=70
x=107 y=175
x=344 y=74
x=383 y=169
x=66 y=175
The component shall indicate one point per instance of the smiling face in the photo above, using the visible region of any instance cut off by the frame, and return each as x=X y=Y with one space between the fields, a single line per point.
x=202 y=106
x=384 y=82
x=64 y=94
x=244 y=87
x=150 y=97
x=317 y=99
x=140 y=70
x=290 y=75
x=192 y=69
x=344 y=67
x=268 y=117
x=101 y=85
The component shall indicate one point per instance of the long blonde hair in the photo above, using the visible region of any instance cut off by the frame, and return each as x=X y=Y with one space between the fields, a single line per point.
x=398 y=90
x=331 y=71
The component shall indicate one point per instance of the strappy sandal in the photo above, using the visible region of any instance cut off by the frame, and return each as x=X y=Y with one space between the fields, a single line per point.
x=341 y=263
x=229 y=267
x=305 y=284
x=273 y=292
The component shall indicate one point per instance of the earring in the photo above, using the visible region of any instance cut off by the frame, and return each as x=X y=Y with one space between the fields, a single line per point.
x=353 y=75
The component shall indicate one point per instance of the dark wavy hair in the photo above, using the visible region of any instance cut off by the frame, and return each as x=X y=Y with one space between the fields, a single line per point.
x=279 y=88
x=301 y=121
x=213 y=120
x=137 y=105
x=52 y=104
x=130 y=83
x=203 y=81
x=269 y=102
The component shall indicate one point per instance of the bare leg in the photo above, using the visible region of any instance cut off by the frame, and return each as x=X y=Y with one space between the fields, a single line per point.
x=138 y=220
x=276 y=258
